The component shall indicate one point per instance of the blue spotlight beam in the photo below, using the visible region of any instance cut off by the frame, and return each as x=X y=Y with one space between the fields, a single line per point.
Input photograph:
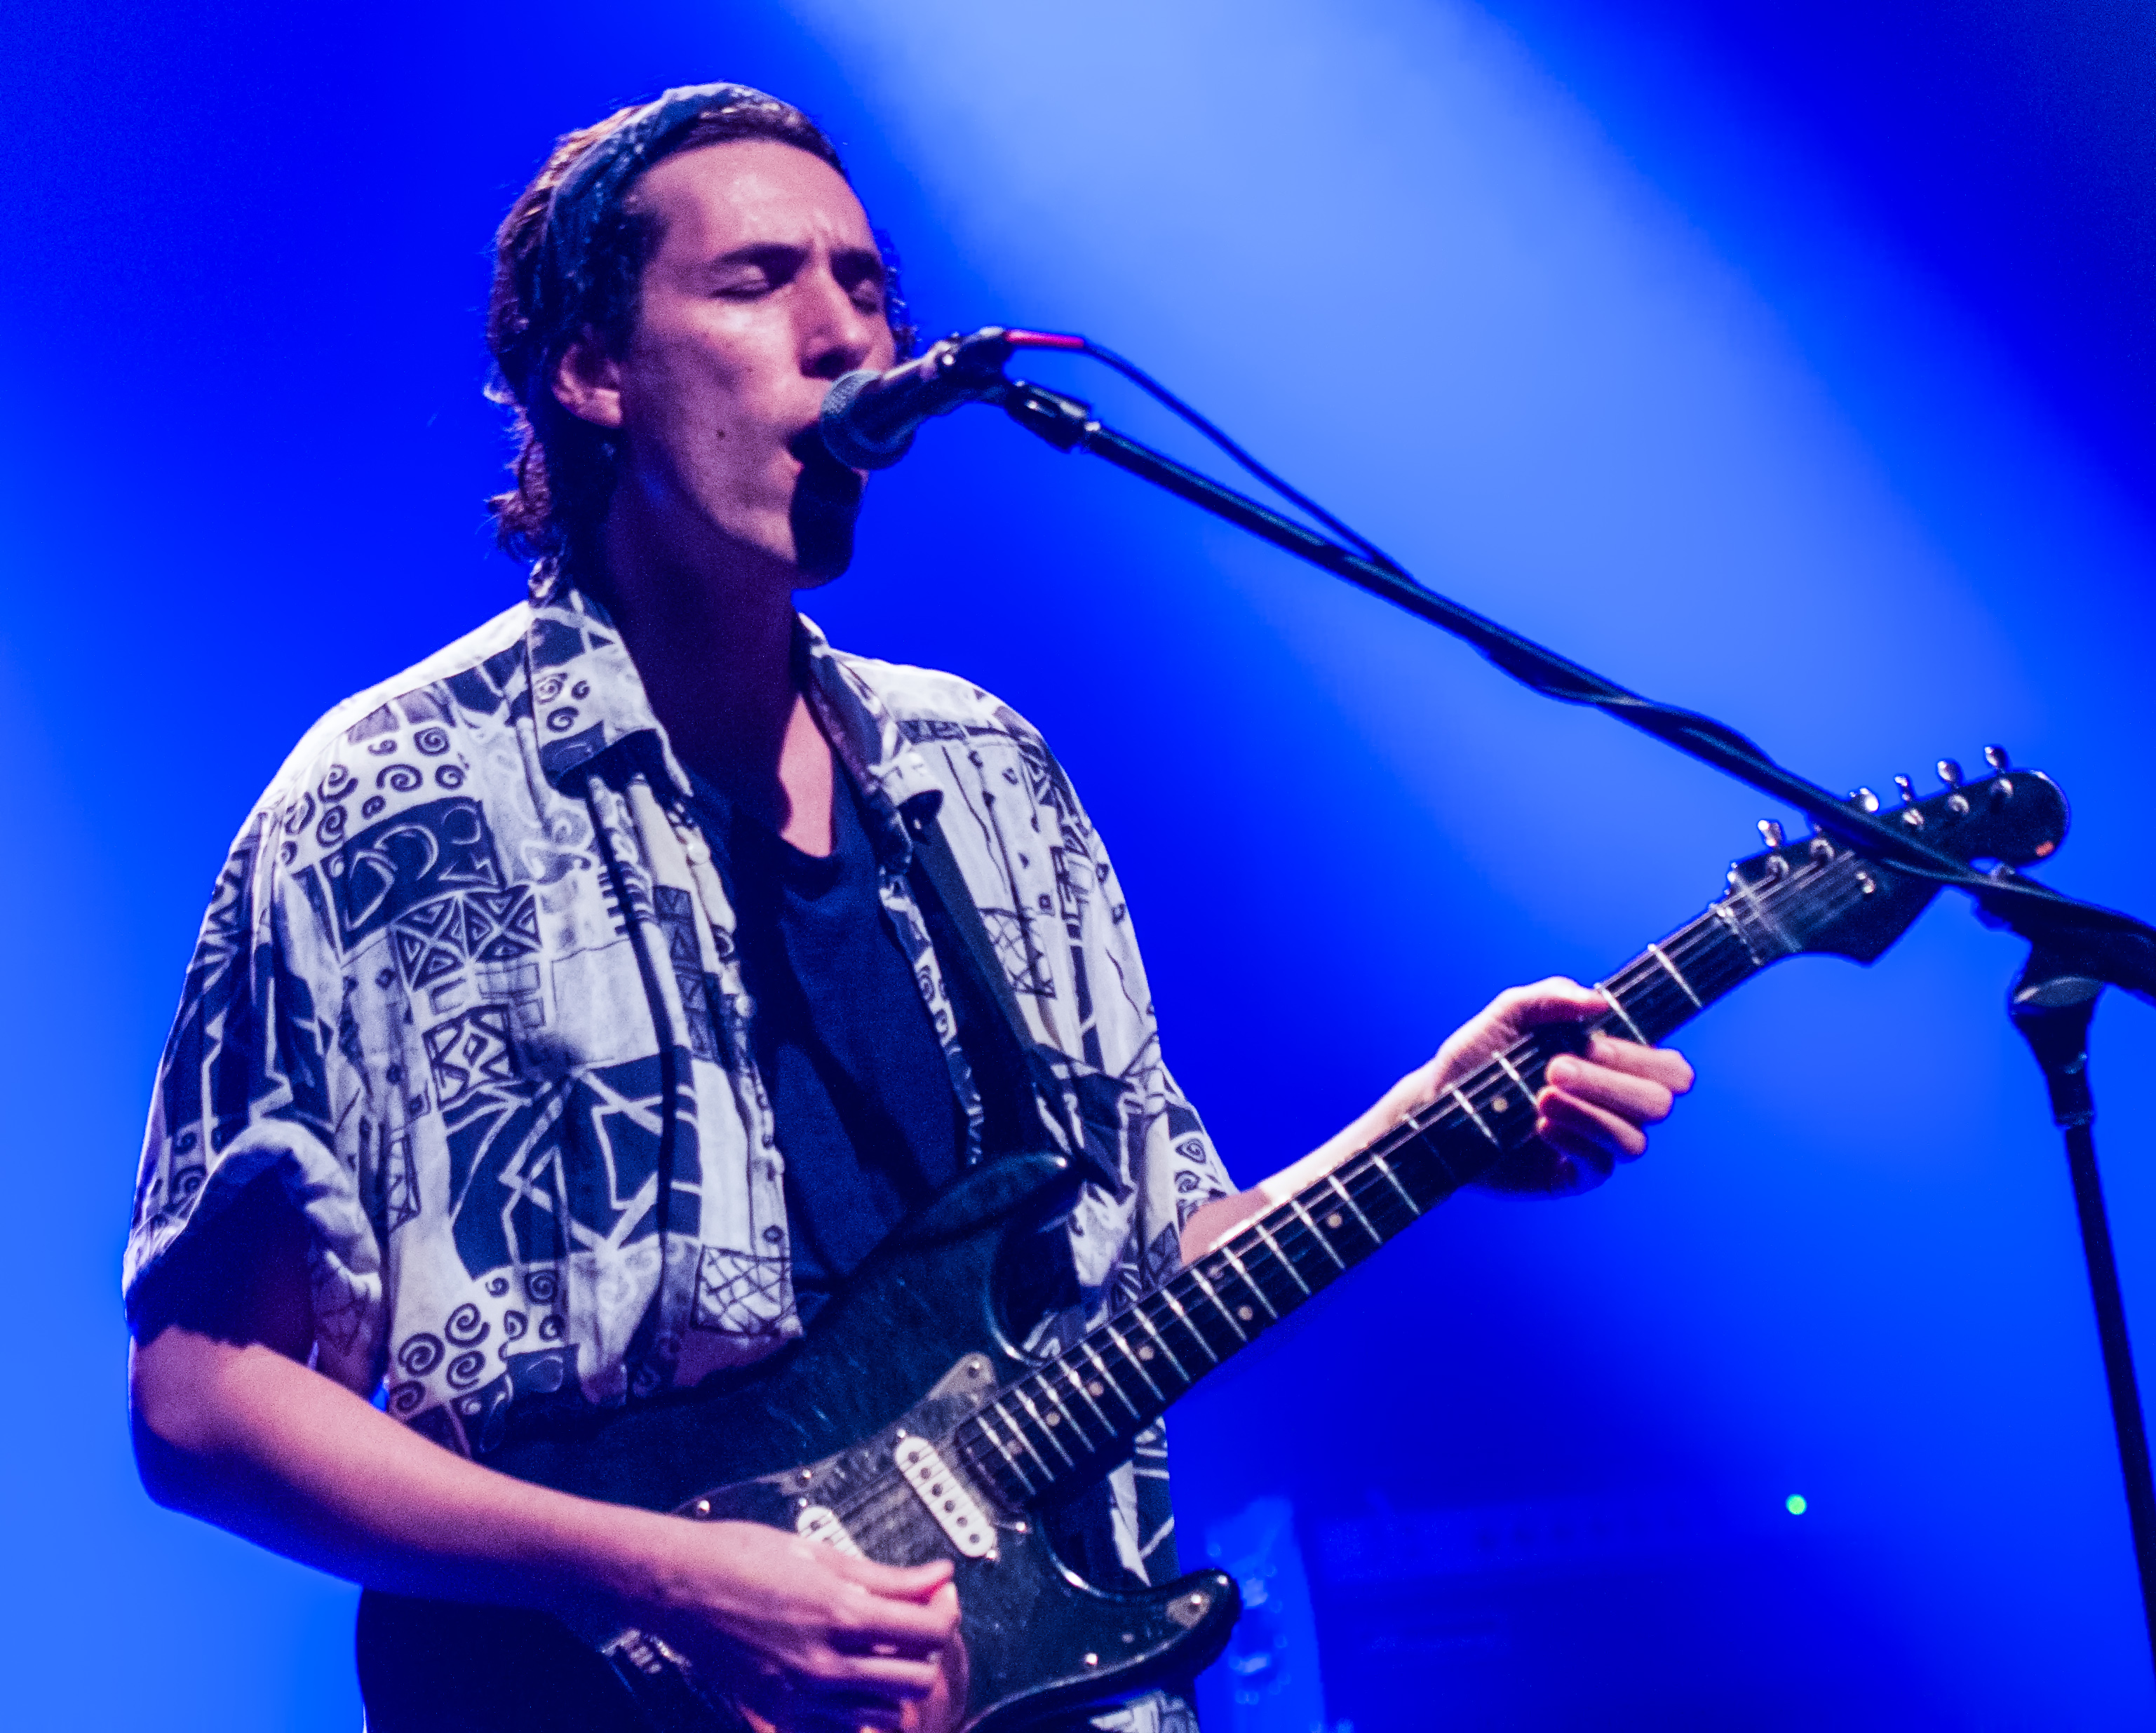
x=2101 y=943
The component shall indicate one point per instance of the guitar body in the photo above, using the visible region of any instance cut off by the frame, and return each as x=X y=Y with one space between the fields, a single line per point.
x=914 y=1345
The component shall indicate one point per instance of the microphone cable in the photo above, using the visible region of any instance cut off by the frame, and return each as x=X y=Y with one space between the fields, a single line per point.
x=1072 y=343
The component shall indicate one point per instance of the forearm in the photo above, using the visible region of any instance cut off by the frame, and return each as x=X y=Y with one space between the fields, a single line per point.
x=1223 y=1217
x=1590 y=1113
x=256 y=1443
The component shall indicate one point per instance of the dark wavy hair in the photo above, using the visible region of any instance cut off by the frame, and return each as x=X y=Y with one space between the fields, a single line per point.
x=564 y=466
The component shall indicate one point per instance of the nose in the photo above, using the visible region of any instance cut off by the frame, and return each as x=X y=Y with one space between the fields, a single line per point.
x=836 y=335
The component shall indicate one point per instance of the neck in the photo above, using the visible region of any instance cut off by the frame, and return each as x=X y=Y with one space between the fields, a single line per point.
x=711 y=633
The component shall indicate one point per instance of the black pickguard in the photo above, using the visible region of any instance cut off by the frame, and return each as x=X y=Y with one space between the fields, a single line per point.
x=909 y=1348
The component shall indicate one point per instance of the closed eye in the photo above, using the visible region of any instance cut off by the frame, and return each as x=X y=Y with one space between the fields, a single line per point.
x=860 y=273
x=753 y=272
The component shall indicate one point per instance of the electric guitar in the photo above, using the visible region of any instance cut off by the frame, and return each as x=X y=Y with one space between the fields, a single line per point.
x=906 y=1425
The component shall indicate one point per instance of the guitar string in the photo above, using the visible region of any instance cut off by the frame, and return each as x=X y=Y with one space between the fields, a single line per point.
x=1707 y=935
x=1703 y=937
x=888 y=1495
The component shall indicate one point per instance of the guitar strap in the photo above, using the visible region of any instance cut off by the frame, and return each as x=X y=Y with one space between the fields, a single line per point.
x=1012 y=1073
x=1008 y=1063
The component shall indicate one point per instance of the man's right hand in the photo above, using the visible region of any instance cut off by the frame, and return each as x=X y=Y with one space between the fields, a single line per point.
x=231 y=1424
x=813 y=1640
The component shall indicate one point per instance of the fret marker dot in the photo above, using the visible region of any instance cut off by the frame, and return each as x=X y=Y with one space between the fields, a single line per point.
x=1095 y=1388
x=1055 y=1418
x=1333 y=1220
x=1245 y=1313
x=1145 y=1353
x=1498 y=1105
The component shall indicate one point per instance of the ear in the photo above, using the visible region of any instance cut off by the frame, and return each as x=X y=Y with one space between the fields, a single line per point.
x=587 y=382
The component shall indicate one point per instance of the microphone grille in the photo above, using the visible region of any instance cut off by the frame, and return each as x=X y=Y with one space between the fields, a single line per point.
x=842 y=438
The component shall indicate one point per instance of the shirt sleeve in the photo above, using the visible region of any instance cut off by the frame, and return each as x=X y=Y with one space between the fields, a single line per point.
x=1169 y=1168
x=258 y=1077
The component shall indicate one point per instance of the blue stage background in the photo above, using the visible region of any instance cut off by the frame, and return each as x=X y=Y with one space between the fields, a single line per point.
x=1790 y=363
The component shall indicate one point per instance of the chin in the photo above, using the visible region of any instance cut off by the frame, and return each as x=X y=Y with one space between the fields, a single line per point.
x=827 y=499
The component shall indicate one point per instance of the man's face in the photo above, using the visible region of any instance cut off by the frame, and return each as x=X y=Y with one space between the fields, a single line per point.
x=765 y=287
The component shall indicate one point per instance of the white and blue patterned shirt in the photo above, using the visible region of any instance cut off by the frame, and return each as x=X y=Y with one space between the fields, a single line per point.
x=468 y=986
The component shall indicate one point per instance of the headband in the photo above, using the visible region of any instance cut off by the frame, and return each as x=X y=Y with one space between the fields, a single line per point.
x=589 y=195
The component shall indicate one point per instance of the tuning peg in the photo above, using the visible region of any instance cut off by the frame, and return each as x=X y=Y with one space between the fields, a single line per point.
x=1865 y=799
x=1770 y=832
x=1950 y=772
x=1908 y=790
x=1995 y=756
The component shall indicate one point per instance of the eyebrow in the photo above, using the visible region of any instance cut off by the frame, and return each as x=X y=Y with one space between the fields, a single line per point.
x=786 y=256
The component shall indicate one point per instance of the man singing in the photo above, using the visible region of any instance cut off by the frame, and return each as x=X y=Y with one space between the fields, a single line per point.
x=577 y=1010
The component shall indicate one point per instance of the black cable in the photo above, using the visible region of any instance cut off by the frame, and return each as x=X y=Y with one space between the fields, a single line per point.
x=1668 y=721
x=1590 y=690
x=1146 y=382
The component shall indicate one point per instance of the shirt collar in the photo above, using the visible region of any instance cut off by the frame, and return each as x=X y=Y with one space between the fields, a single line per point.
x=887 y=767
x=586 y=696
x=588 y=699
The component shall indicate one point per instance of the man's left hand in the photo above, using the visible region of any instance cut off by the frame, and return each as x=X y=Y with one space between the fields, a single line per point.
x=1595 y=1108
x=1592 y=1113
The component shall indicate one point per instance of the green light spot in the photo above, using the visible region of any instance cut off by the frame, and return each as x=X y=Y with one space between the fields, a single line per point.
x=1795 y=1504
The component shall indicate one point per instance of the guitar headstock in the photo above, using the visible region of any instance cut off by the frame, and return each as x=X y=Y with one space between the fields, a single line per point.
x=1816 y=894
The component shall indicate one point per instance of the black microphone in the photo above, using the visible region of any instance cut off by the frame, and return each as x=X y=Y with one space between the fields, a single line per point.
x=869 y=417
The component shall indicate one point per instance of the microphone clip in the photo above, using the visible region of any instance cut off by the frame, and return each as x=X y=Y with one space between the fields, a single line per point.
x=868 y=418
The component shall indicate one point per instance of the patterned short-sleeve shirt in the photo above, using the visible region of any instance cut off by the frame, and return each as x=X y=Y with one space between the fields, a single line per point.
x=468 y=986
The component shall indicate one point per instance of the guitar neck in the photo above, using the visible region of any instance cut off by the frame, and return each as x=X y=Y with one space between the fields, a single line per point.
x=1062 y=1423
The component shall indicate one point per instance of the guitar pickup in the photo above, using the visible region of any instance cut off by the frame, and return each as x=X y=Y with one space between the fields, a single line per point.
x=950 y=1501
x=820 y=1522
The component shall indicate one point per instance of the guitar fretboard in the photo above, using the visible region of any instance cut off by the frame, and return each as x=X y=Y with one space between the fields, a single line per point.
x=1060 y=1424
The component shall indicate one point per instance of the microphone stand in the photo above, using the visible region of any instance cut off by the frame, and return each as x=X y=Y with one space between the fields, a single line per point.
x=2052 y=1004
x=2077 y=948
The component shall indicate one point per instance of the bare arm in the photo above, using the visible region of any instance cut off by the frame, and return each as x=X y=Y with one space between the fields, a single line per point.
x=232 y=1426
x=1592 y=1113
